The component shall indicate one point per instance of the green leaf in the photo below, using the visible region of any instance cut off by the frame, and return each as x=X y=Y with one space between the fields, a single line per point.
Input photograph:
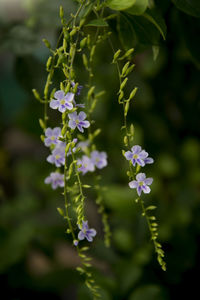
x=137 y=32
x=138 y=7
x=155 y=18
x=190 y=7
x=190 y=28
x=97 y=23
x=120 y=4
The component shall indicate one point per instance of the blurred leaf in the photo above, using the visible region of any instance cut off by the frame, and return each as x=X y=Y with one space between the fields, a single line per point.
x=123 y=239
x=13 y=248
x=168 y=165
x=137 y=31
x=97 y=23
x=155 y=18
x=190 y=150
x=120 y=198
x=16 y=94
x=127 y=34
x=20 y=40
x=147 y=292
x=190 y=7
x=119 y=4
x=190 y=27
x=86 y=9
x=130 y=274
x=138 y=7
x=156 y=51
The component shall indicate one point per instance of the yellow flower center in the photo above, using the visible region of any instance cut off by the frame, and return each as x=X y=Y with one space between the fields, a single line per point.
x=141 y=183
x=135 y=156
x=52 y=138
x=62 y=102
x=77 y=121
x=57 y=156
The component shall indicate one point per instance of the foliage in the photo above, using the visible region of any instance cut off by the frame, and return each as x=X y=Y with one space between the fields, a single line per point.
x=165 y=117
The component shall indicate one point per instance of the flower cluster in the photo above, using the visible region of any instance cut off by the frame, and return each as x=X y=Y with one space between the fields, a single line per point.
x=97 y=159
x=139 y=157
x=57 y=143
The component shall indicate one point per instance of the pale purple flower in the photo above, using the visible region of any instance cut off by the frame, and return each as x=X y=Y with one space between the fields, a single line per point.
x=78 y=121
x=138 y=156
x=141 y=184
x=86 y=232
x=99 y=159
x=86 y=165
x=148 y=160
x=55 y=179
x=58 y=155
x=51 y=136
x=62 y=102
x=75 y=242
x=83 y=145
x=78 y=89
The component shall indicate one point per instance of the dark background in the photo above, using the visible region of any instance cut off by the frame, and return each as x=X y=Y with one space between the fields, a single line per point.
x=36 y=257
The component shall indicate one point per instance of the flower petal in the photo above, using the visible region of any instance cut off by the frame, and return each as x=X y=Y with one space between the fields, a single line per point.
x=89 y=237
x=143 y=154
x=81 y=235
x=82 y=115
x=140 y=162
x=48 y=132
x=146 y=189
x=72 y=124
x=91 y=232
x=128 y=155
x=73 y=116
x=54 y=104
x=139 y=190
x=148 y=160
x=136 y=149
x=85 y=124
x=69 y=97
x=59 y=94
x=47 y=142
x=69 y=105
x=133 y=184
x=141 y=177
x=56 y=131
x=62 y=108
x=50 y=159
x=80 y=128
x=47 y=180
x=85 y=225
x=133 y=162
x=148 y=181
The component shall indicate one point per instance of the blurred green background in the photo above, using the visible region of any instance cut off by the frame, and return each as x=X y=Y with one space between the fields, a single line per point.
x=36 y=257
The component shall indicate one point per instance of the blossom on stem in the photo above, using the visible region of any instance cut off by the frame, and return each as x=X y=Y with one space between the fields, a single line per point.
x=78 y=121
x=62 y=102
x=99 y=159
x=79 y=88
x=141 y=184
x=139 y=156
x=58 y=155
x=55 y=179
x=83 y=145
x=51 y=136
x=86 y=165
x=86 y=232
